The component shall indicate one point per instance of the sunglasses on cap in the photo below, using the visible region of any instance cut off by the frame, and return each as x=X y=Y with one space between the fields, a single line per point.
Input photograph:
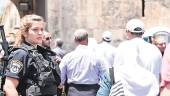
x=48 y=38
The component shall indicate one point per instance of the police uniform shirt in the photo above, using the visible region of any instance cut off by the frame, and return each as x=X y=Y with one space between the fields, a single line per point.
x=16 y=61
x=15 y=68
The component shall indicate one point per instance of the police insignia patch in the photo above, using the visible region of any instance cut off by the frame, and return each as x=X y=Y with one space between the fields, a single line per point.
x=15 y=66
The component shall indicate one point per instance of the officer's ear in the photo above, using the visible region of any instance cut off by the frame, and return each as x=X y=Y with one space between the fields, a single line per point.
x=25 y=34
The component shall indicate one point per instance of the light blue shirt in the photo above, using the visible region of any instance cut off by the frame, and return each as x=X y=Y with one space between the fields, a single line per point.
x=105 y=85
x=81 y=66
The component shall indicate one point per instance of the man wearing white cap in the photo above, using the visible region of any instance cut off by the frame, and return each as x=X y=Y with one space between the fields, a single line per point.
x=137 y=63
x=106 y=50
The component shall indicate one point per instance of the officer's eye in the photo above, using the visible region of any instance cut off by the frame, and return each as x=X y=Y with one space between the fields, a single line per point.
x=42 y=29
x=35 y=29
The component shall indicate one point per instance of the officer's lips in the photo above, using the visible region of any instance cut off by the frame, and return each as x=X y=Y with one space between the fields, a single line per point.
x=39 y=38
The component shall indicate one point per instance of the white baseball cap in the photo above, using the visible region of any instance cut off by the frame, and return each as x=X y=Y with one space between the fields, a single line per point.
x=107 y=36
x=135 y=26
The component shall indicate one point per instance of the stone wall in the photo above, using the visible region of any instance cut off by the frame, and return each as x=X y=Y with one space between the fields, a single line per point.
x=157 y=13
x=65 y=16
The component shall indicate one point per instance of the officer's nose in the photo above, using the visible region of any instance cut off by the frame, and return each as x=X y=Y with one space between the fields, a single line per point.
x=40 y=32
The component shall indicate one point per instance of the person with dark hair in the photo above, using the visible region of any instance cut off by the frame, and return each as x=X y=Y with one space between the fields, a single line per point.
x=30 y=71
x=82 y=68
x=46 y=42
x=59 y=42
x=59 y=50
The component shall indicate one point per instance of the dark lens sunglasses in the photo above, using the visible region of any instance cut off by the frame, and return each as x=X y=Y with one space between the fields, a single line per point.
x=48 y=38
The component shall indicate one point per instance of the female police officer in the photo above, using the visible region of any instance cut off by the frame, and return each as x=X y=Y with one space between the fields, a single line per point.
x=29 y=72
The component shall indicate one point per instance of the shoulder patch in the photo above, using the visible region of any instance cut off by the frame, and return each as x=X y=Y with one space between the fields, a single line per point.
x=15 y=66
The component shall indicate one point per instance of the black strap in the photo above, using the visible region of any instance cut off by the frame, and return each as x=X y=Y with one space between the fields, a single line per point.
x=27 y=60
x=111 y=73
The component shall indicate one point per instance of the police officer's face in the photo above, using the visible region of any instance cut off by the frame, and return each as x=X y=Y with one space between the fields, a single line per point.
x=35 y=33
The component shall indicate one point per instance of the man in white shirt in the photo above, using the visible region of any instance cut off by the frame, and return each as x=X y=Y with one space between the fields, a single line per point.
x=82 y=68
x=137 y=63
x=106 y=50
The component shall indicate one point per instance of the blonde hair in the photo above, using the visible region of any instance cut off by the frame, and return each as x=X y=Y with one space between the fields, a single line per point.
x=26 y=23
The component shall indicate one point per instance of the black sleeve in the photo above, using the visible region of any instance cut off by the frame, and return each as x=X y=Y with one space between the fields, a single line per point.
x=16 y=64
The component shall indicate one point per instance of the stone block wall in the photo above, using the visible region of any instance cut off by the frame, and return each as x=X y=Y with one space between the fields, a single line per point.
x=65 y=16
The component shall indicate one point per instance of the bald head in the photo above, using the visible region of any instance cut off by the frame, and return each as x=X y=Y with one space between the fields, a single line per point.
x=80 y=35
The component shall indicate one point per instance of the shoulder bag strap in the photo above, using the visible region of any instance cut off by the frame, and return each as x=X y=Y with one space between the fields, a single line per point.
x=111 y=73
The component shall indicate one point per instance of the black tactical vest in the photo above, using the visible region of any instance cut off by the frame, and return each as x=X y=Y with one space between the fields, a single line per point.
x=40 y=76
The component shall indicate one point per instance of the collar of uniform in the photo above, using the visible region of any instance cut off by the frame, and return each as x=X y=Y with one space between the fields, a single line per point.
x=28 y=46
x=42 y=49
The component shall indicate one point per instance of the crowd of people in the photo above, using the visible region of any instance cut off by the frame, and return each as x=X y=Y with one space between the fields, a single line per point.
x=36 y=69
